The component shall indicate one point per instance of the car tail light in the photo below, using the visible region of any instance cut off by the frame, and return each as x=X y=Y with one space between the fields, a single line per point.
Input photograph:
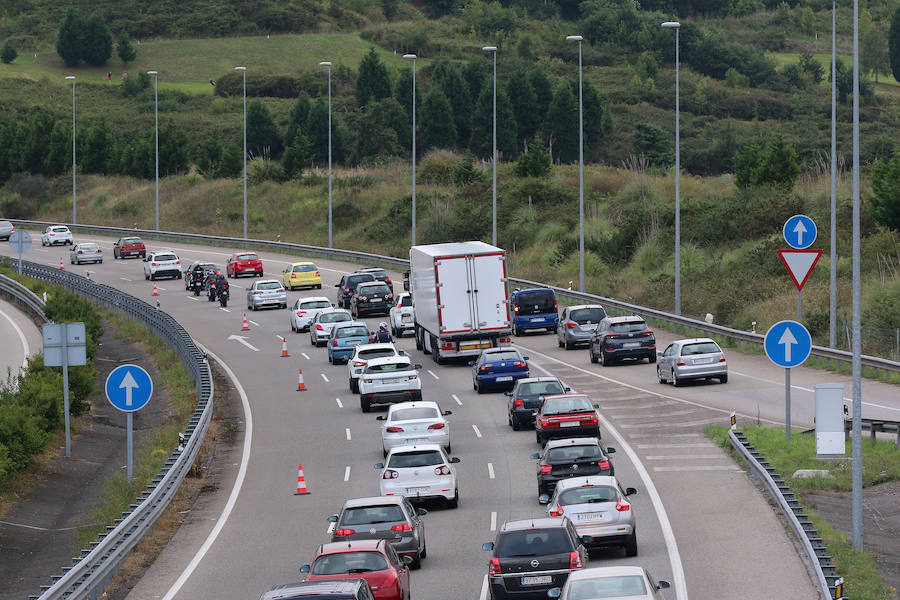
x=519 y=363
x=319 y=327
x=99 y=250
x=681 y=363
x=518 y=402
x=346 y=289
x=345 y=532
x=403 y=527
x=394 y=429
x=300 y=313
x=603 y=464
x=79 y=252
x=436 y=426
x=556 y=511
x=494 y=568
x=516 y=307
x=413 y=377
x=359 y=363
x=317 y=274
x=442 y=470
x=293 y=276
x=153 y=264
x=177 y=262
x=257 y=293
x=592 y=420
x=575 y=561
x=390 y=474
x=447 y=346
x=622 y=506
x=571 y=324
x=722 y=359
x=484 y=368
x=504 y=340
x=547 y=424
x=647 y=332
x=387 y=279
x=555 y=306
x=546 y=469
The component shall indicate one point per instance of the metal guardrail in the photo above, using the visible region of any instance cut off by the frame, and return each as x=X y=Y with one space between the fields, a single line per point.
x=95 y=567
x=23 y=297
x=821 y=561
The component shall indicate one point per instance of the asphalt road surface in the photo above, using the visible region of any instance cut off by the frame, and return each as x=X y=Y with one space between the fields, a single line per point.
x=21 y=338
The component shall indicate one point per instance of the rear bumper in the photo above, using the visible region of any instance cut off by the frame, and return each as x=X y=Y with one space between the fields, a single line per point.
x=571 y=432
x=642 y=352
x=606 y=535
x=701 y=371
x=166 y=273
x=373 y=307
x=529 y=322
x=505 y=587
x=493 y=379
x=392 y=397
x=523 y=416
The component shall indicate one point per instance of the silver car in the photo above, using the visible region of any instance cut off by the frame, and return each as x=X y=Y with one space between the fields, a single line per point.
x=577 y=323
x=320 y=327
x=599 y=509
x=634 y=583
x=402 y=317
x=86 y=252
x=391 y=518
x=266 y=292
x=696 y=358
x=6 y=230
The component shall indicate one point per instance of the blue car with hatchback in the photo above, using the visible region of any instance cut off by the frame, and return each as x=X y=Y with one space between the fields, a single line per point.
x=344 y=338
x=498 y=367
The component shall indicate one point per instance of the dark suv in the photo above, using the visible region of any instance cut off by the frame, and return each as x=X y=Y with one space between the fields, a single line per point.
x=338 y=589
x=526 y=397
x=617 y=338
x=379 y=274
x=532 y=556
x=371 y=297
x=534 y=309
x=570 y=457
x=347 y=287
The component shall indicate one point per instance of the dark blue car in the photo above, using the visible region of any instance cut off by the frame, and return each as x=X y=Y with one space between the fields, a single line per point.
x=498 y=367
x=534 y=309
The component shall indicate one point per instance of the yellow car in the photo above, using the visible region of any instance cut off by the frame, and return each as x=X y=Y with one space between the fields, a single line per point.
x=300 y=274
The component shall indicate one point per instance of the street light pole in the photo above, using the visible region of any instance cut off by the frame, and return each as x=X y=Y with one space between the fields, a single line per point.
x=676 y=26
x=856 y=361
x=413 y=58
x=244 y=71
x=832 y=312
x=494 y=190
x=579 y=39
x=156 y=129
x=74 y=195
x=328 y=64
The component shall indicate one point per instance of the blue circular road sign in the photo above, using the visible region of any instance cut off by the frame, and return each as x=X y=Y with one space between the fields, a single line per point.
x=129 y=388
x=788 y=344
x=800 y=232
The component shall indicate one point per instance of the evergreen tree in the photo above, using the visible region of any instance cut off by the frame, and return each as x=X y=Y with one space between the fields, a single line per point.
x=297 y=156
x=125 y=49
x=36 y=141
x=262 y=134
x=173 y=149
x=376 y=130
x=524 y=105
x=232 y=164
x=655 y=144
x=209 y=157
x=543 y=91
x=746 y=162
x=562 y=125
x=297 y=118
x=317 y=132
x=449 y=78
x=372 y=81
x=894 y=44
x=97 y=42
x=8 y=53
x=475 y=74
x=592 y=112
x=536 y=161
x=58 y=158
x=438 y=128
x=403 y=95
x=69 y=39
x=779 y=166
x=7 y=149
x=97 y=150
x=482 y=126
x=885 y=198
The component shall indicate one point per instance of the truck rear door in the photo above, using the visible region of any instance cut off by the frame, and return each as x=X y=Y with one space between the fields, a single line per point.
x=488 y=281
x=453 y=297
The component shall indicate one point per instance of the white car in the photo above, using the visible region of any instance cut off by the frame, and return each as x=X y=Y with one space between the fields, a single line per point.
x=320 y=327
x=56 y=234
x=634 y=583
x=419 y=472
x=401 y=315
x=162 y=264
x=305 y=310
x=387 y=380
x=362 y=354
x=414 y=423
x=85 y=252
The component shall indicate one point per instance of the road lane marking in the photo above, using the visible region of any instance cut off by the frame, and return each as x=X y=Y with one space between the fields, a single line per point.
x=348 y=436
x=305 y=355
x=677 y=413
x=330 y=529
x=255 y=324
x=477 y=433
x=243 y=340
x=125 y=279
x=225 y=309
x=683 y=424
x=642 y=446
x=347 y=471
x=192 y=298
x=493 y=520
x=458 y=401
x=684 y=457
x=697 y=468
x=323 y=377
x=665 y=435
x=22 y=338
x=490 y=470
x=279 y=337
x=235 y=491
x=484 y=589
x=433 y=374
x=338 y=400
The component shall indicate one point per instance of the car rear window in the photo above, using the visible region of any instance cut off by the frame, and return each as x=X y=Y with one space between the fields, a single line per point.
x=132 y=241
x=90 y=247
x=165 y=257
x=374 y=290
x=498 y=356
x=418 y=458
x=629 y=327
x=589 y=495
x=573 y=453
x=540 y=387
x=247 y=257
x=345 y=332
x=533 y=542
x=315 y=304
x=562 y=406
x=60 y=229
x=536 y=302
x=305 y=268
x=354 y=280
x=420 y=412
x=621 y=586
x=5 y=224
x=406 y=301
x=349 y=562
x=335 y=317
x=268 y=285
x=587 y=316
x=388 y=367
x=375 y=353
x=700 y=348
x=369 y=515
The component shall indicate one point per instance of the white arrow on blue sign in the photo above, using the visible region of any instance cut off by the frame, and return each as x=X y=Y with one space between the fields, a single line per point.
x=800 y=232
x=788 y=344
x=129 y=388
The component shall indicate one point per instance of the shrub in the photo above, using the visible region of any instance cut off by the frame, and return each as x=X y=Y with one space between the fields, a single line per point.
x=8 y=53
x=437 y=167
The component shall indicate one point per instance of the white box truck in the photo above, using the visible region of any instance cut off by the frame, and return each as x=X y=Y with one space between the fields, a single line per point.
x=460 y=298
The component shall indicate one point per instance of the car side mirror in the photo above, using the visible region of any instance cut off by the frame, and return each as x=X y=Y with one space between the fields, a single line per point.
x=663 y=585
x=630 y=491
x=406 y=285
x=333 y=519
x=304 y=569
x=659 y=354
x=337 y=285
x=401 y=352
x=554 y=593
x=454 y=460
x=544 y=499
x=567 y=388
x=379 y=465
x=487 y=546
x=380 y=418
x=507 y=394
x=587 y=539
x=447 y=412
x=471 y=363
x=596 y=406
x=421 y=512
x=417 y=367
x=535 y=456
x=610 y=450
x=524 y=358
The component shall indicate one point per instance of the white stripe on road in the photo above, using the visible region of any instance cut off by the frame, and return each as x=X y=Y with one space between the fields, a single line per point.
x=684 y=456
x=347 y=471
x=331 y=527
x=323 y=377
x=690 y=468
x=491 y=470
x=305 y=355
x=494 y=521
x=192 y=298
x=458 y=401
x=338 y=400
x=253 y=322
x=676 y=445
x=225 y=309
x=22 y=338
x=348 y=434
x=433 y=374
x=484 y=589
x=477 y=433
x=124 y=279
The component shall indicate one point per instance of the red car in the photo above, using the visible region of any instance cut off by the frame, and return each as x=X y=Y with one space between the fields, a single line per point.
x=376 y=561
x=566 y=416
x=243 y=263
x=129 y=246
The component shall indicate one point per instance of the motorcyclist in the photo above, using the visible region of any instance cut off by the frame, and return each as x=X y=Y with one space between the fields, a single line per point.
x=211 y=282
x=383 y=335
x=197 y=277
x=221 y=285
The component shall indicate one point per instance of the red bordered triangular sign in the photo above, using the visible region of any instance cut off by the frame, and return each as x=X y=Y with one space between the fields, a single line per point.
x=800 y=264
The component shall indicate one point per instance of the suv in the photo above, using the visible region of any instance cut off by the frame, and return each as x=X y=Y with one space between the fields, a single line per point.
x=390 y=518
x=532 y=556
x=338 y=589
x=387 y=380
x=617 y=338
x=570 y=457
x=243 y=263
x=162 y=264
x=534 y=309
x=379 y=274
x=402 y=316
x=347 y=286
x=362 y=354
x=56 y=234
x=371 y=297
x=129 y=246
x=526 y=397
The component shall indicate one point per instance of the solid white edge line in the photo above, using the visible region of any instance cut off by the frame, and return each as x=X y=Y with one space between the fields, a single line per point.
x=323 y=377
x=680 y=583
x=339 y=403
x=235 y=491
x=490 y=470
x=22 y=338
x=458 y=401
x=330 y=529
x=484 y=588
x=475 y=427
x=347 y=473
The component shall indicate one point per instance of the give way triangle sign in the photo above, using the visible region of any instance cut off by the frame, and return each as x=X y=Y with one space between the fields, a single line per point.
x=800 y=264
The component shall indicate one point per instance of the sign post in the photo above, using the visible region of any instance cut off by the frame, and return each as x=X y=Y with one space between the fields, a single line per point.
x=20 y=241
x=128 y=388
x=800 y=232
x=787 y=344
x=64 y=345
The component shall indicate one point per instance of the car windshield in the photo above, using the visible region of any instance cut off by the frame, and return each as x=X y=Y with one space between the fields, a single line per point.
x=700 y=348
x=537 y=388
x=165 y=257
x=247 y=257
x=533 y=542
x=334 y=317
x=315 y=304
x=629 y=327
x=419 y=458
x=132 y=241
x=406 y=301
x=570 y=453
x=304 y=268
x=349 y=562
x=536 y=302
x=502 y=355
x=388 y=367
x=374 y=290
x=352 y=331
x=589 y=495
x=570 y=404
x=268 y=285
x=621 y=586
x=587 y=316
x=354 y=280
x=375 y=353
x=419 y=412
x=369 y=515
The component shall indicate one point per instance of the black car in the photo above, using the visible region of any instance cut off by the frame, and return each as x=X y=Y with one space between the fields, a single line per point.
x=526 y=397
x=337 y=589
x=571 y=457
x=380 y=275
x=208 y=268
x=531 y=556
x=371 y=298
x=347 y=287
x=618 y=338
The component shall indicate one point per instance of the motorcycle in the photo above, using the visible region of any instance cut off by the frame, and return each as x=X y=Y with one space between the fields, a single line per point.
x=196 y=283
x=211 y=292
x=223 y=297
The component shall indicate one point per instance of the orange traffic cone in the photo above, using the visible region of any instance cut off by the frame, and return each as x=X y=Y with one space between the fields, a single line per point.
x=246 y=325
x=155 y=291
x=301 y=387
x=61 y=267
x=301 y=482
x=284 y=352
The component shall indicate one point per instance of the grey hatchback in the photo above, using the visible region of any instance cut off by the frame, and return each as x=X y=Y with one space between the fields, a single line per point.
x=618 y=338
x=390 y=518
x=577 y=323
x=696 y=358
x=337 y=589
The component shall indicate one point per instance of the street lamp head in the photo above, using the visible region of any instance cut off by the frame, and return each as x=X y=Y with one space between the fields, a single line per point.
x=672 y=24
x=410 y=56
x=574 y=38
x=152 y=73
x=490 y=48
x=240 y=68
x=325 y=63
x=72 y=77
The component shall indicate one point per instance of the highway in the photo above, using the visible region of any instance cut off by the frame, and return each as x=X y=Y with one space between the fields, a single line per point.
x=21 y=338
x=702 y=525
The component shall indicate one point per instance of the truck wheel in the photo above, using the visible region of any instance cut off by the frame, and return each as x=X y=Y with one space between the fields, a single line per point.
x=417 y=332
x=436 y=353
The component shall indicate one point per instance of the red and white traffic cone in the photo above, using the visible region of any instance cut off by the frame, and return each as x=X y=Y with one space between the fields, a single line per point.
x=301 y=482
x=245 y=326
x=61 y=267
x=301 y=387
x=284 y=352
x=155 y=290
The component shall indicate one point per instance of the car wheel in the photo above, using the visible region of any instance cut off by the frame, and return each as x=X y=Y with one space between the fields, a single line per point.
x=631 y=545
x=365 y=405
x=383 y=452
x=454 y=503
x=593 y=356
x=424 y=553
x=559 y=342
x=723 y=378
x=652 y=358
x=449 y=449
x=515 y=330
x=330 y=359
x=354 y=386
x=659 y=375
x=515 y=423
x=569 y=345
x=312 y=342
x=553 y=329
x=478 y=388
x=601 y=358
x=675 y=381
x=436 y=355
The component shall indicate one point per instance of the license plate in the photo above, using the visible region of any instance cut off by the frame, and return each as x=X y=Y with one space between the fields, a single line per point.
x=592 y=516
x=375 y=299
x=570 y=424
x=392 y=380
x=631 y=344
x=416 y=490
x=702 y=361
x=504 y=379
x=352 y=342
x=538 y=580
x=407 y=319
x=537 y=319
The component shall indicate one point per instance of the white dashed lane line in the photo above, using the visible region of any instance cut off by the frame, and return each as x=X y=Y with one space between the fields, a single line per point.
x=225 y=309
x=339 y=403
x=477 y=433
x=347 y=472
x=323 y=377
x=433 y=374
x=458 y=401
x=125 y=279
x=490 y=470
x=348 y=434
x=330 y=530
x=493 y=521
x=254 y=323
x=305 y=355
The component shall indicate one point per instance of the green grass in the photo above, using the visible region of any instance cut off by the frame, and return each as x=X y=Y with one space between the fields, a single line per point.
x=784 y=58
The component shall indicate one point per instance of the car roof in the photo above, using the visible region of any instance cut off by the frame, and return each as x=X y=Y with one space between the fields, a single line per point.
x=413 y=448
x=314 y=299
x=371 y=283
x=370 y=270
x=268 y=281
x=628 y=319
x=419 y=404
x=569 y=395
x=163 y=252
x=303 y=262
x=308 y=588
x=533 y=290
x=373 y=501
x=582 y=441
x=536 y=523
x=694 y=341
x=386 y=360
x=595 y=572
x=377 y=346
x=342 y=547
x=576 y=482
x=342 y=324
x=333 y=309
x=500 y=349
x=579 y=306
x=538 y=379
x=242 y=252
